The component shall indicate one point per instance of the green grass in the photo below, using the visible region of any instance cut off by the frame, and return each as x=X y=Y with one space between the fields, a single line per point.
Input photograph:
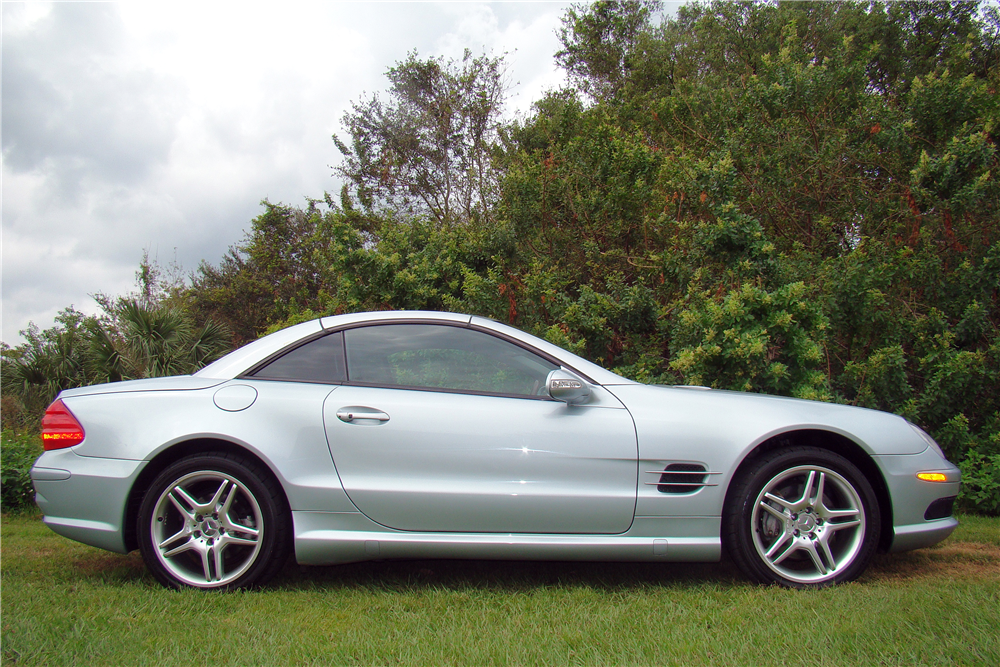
x=64 y=603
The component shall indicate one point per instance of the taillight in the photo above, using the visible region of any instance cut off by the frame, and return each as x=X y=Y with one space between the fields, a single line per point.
x=60 y=428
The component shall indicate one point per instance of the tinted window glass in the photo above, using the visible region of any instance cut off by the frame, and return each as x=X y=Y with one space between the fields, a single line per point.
x=321 y=360
x=437 y=356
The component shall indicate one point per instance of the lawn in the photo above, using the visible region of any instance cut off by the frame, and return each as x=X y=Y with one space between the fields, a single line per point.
x=65 y=603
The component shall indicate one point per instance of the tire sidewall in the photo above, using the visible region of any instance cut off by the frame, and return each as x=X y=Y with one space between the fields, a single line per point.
x=271 y=510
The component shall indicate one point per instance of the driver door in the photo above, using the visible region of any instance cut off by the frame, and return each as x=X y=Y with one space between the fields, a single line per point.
x=448 y=429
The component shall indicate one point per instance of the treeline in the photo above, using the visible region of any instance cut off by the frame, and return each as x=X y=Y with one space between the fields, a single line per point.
x=794 y=198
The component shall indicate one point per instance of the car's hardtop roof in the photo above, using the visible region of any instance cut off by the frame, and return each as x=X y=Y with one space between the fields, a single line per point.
x=239 y=361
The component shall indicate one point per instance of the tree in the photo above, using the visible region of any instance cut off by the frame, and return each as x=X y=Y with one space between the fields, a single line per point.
x=796 y=198
x=46 y=363
x=428 y=150
x=260 y=278
x=601 y=43
x=144 y=341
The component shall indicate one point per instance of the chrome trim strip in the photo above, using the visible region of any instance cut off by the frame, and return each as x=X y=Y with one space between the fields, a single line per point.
x=691 y=484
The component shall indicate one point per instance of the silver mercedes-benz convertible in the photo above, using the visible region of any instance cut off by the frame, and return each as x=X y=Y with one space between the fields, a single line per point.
x=436 y=435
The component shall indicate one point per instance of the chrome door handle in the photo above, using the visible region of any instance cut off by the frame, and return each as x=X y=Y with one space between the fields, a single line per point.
x=351 y=414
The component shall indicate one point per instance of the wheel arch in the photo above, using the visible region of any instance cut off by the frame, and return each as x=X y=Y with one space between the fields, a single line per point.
x=171 y=455
x=833 y=442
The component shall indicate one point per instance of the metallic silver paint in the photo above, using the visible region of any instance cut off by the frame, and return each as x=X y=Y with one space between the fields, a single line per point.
x=911 y=496
x=88 y=505
x=567 y=387
x=438 y=478
x=469 y=463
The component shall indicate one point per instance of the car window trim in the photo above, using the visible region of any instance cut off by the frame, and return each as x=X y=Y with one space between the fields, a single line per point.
x=297 y=380
x=404 y=387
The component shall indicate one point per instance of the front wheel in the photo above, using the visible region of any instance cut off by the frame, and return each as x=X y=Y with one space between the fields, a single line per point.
x=215 y=521
x=802 y=517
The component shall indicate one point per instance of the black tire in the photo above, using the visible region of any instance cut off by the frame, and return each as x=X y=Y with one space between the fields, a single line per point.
x=802 y=517
x=214 y=521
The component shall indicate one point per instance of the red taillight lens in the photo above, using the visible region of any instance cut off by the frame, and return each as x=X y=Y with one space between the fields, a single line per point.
x=60 y=428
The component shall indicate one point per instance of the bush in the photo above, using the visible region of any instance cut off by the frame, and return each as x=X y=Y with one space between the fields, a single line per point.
x=981 y=483
x=752 y=339
x=17 y=455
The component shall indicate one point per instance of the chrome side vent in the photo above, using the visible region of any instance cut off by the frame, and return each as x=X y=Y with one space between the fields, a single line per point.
x=681 y=478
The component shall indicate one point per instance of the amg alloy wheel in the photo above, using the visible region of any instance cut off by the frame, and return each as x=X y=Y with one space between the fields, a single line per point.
x=213 y=521
x=803 y=517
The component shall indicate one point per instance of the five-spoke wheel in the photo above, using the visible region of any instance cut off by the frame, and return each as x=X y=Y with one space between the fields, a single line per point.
x=213 y=521
x=802 y=517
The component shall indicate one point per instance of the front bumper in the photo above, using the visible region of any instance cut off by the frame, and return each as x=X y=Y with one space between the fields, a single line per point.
x=911 y=498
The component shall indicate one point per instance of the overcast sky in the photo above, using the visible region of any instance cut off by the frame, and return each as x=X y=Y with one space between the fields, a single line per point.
x=161 y=126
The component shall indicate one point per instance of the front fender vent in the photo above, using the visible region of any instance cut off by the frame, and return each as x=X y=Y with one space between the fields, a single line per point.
x=681 y=478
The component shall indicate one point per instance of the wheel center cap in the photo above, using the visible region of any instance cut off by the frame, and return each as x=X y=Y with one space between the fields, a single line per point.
x=806 y=522
x=210 y=527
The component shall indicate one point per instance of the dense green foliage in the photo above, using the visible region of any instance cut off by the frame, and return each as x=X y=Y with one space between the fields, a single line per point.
x=17 y=455
x=793 y=198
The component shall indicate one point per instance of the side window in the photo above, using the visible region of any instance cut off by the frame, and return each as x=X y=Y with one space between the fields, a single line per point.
x=442 y=357
x=320 y=360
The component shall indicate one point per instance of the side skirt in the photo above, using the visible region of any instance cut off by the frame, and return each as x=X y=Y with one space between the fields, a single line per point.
x=318 y=543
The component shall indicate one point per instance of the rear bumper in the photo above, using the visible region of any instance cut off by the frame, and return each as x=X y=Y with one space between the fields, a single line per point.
x=84 y=498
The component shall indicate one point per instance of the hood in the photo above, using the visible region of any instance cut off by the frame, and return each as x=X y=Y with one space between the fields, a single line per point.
x=742 y=417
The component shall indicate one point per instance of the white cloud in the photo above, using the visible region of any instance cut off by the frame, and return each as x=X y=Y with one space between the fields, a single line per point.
x=161 y=126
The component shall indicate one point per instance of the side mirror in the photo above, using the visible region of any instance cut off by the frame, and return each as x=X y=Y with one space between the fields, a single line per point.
x=564 y=386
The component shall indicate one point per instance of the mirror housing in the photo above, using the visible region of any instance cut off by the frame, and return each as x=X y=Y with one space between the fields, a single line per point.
x=567 y=387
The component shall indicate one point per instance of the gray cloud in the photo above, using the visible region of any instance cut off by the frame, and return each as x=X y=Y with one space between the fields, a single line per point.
x=80 y=109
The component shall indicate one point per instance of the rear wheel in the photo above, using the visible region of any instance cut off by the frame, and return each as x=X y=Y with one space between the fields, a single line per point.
x=802 y=517
x=214 y=520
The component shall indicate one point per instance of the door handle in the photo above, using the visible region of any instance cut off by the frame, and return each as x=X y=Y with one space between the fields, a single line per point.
x=352 y=414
